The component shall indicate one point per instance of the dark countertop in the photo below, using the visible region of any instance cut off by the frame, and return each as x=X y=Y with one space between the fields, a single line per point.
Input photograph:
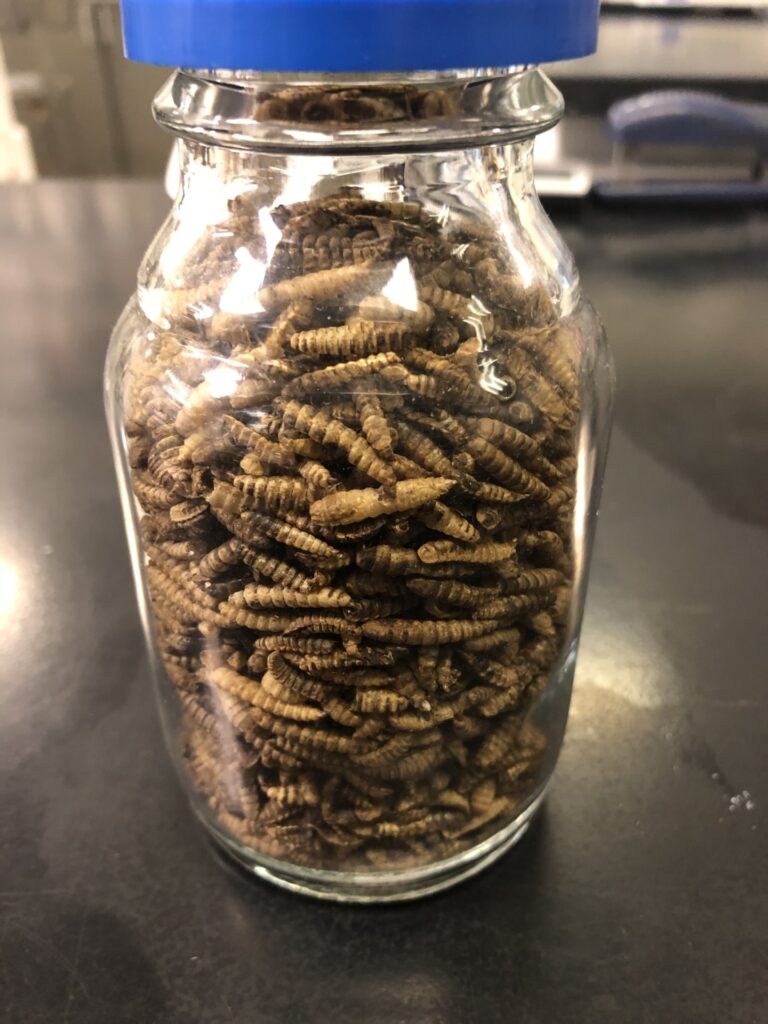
x=640 y=893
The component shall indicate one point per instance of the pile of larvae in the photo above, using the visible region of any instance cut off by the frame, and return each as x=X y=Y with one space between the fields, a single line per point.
x=356 y=511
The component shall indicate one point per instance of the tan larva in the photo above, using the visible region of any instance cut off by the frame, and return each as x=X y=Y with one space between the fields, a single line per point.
x=221 y=559
x=366 y=584
x=440 y=422
x=231 y=616
x=442 y=519
x=323 y=429
x=452 y=591
x=260 y=448
x=295 y=680
x=248 y=691
x=354 y=506
x=508 y=637
x=450 y=551
x=273 y=493
x=179 y=575
x=423 y=451
x=548 y=348
x=151 y=495
x=373 y=423
x=514 y=605
x=295 y=317
x=339 y=376
x=243 y=529
x=297 y=644
x=358 y=337
x=183 y=550
x=257 y=596
x=297 y=795
x=455 y=379
x=292 y=536
x=535 y=579
x=425 y=631
x=322 y=285
x=506 y=470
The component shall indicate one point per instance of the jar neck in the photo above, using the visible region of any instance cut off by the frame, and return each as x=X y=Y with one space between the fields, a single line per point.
x=334 y=114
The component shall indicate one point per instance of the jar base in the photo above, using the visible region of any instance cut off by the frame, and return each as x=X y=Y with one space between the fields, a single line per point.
x=382 y=886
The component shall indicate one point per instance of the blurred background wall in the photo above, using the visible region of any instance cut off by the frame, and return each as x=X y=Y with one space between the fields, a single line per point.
x=85 y=111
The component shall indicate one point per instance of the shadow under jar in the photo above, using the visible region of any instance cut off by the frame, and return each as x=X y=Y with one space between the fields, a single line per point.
x=360 y=411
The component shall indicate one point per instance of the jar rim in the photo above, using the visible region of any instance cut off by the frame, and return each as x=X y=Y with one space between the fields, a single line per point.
x=407 y=112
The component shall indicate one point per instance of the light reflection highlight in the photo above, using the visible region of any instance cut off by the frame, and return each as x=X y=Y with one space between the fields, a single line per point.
x=241 y=294
x=9 y=587
x=222 y=381
x=401 y=287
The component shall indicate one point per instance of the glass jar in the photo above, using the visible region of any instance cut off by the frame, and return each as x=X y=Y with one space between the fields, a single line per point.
x=359 y=409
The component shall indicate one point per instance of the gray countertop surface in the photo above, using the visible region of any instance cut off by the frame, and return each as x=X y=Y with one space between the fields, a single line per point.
x=639 y=895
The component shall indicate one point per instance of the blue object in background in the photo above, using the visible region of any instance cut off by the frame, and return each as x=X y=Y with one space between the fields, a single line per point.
x=357 y=35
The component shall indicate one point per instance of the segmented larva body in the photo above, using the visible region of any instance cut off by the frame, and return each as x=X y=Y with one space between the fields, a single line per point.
x=355 y=338
x=323 y=429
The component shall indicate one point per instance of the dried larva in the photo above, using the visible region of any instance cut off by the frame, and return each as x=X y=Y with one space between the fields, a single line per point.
x=423 y=451
x=450 y=551
x=340 y=375
x=509 y=637
x=373 y=423
x=231 y=616
x=221 y=559
x=341 y=713
x=273 y=493
x=297 y=644
x=292 y=536
x=439 y=517
x=535 y=579
x=323 y=429
x=257 y=596
x=496 y=744
x=414 y=766
x=424 y=631
x=352 y=532
x=497 y=493
x=457 y=382
x=505 y=469
x=548 y=348
x=452 y=592
x=295 y=317
x=242 y=527
x=388 y=561
x=320 y=286
x=440 y=422
x=179 y=575
x=514 y=605
x=489 y=517
x=184 y=550
x=260 y=449
x=366 y=584
x=357 y=337
x=318 y=477
x=380 y=607
x=198 y=714
x=295 y=680
x=353 y=506
x=152 y=496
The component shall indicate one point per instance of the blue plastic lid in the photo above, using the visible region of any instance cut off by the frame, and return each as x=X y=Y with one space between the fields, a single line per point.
x=357 y=35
